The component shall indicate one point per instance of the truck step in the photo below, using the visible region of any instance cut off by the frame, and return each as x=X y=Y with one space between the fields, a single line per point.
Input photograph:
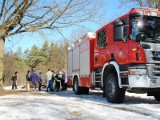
x=97 y=81
x=98 y=74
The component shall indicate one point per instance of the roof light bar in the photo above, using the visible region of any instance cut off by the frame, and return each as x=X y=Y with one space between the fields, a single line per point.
x=143 y=8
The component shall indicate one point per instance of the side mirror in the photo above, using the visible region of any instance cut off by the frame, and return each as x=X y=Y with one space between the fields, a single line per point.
x=118 y=23
x=140 y=37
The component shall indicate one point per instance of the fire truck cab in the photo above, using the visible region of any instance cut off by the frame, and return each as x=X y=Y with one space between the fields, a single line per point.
x=123 y=55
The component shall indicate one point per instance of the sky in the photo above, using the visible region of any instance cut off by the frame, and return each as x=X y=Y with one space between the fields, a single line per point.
x=111 y=10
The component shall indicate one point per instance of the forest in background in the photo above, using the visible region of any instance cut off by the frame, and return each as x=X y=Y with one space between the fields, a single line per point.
x=49 y=55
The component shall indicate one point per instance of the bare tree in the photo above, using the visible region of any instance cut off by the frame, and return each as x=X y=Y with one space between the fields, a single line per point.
x=144 y=3
x=19 y=16
x=78 y=33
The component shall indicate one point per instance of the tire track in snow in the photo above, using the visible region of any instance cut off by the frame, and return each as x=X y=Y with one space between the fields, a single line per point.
x=133 y=109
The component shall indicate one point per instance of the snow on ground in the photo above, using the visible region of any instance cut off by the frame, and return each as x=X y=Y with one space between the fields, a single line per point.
x=64 y=105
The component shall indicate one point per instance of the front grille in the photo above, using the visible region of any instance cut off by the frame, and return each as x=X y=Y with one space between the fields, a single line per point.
x=153 y=58
x=156 y=59
x=157 y=70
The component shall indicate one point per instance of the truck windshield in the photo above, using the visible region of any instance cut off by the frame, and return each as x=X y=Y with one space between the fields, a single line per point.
x=146 y=25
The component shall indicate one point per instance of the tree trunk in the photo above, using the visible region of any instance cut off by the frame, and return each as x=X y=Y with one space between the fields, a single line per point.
x=1 y=61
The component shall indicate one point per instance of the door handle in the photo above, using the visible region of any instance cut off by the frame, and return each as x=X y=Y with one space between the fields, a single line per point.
x=96 y=59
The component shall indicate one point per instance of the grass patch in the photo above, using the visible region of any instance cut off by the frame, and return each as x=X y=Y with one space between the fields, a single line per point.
x=8 y=92
x=20 y=92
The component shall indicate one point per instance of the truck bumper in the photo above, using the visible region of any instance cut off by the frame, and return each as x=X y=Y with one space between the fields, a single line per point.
x=143 y=81
x=143 y=76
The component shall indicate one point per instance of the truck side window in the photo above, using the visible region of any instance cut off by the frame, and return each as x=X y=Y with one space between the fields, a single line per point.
x=101 y=38
x=117 y=30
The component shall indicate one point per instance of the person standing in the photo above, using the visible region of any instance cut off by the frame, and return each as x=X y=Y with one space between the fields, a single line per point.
x=58 y=80
x=28 y=80
x=51 y=82
x=34 y=79
x=40 y=81
x=64 y=80
x=14 y=80
x=48 y=78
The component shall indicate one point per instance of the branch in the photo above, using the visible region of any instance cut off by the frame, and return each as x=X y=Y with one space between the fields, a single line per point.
x=140 y=3
x=36 y=16
x=61 y=13
x=158 y=5
x=63 y=36
x=18 y=16
x=2 y=9
x=11 y=6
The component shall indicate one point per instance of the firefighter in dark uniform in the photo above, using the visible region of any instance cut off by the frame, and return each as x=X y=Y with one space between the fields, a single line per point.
x=58 y=80
x=14 y=80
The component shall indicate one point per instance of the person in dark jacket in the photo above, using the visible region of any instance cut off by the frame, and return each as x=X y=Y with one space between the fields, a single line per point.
x=58 y=79
x=64 y=80
x=14 y=80
x=40 y=81
x=34 y=79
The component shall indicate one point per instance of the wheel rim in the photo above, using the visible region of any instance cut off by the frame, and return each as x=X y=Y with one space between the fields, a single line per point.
x=111 y=88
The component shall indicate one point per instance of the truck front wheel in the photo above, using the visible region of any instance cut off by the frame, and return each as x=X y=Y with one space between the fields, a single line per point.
x=113 y=93
x=157 y=96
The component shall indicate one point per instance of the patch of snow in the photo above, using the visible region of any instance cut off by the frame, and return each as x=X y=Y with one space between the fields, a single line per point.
x=64 y=105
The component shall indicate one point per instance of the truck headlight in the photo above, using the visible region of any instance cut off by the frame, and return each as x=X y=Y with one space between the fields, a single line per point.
x=138 y=71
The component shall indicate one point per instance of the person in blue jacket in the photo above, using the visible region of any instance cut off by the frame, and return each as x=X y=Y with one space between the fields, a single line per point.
x=34 y=79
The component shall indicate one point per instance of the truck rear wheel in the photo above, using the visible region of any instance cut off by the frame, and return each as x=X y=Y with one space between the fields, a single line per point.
x=113 y=93
x=76 y=88
x=157 y=96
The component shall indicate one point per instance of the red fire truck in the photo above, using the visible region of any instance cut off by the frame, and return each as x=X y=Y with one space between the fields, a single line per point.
x=123 y=55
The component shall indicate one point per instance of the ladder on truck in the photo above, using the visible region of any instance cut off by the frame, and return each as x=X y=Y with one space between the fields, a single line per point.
x=97 y=78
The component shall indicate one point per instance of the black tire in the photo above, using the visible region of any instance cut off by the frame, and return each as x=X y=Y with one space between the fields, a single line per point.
x=76 y=88
x=85 y=90
x=64 y=87
x=113 y=93
x=157 y=96
x=104 y=93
